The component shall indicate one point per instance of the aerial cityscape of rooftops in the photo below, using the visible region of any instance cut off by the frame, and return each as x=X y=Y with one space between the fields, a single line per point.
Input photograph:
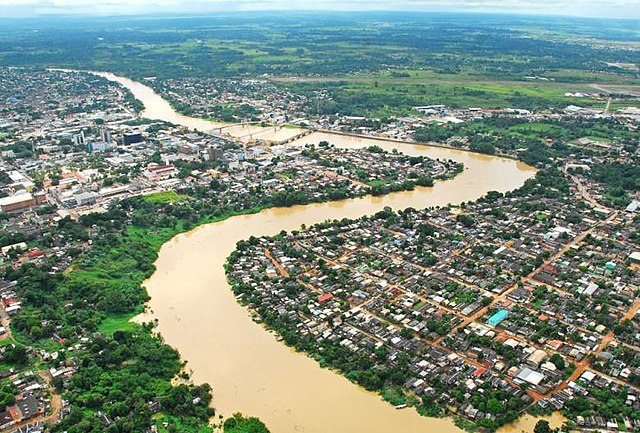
x=421 y=217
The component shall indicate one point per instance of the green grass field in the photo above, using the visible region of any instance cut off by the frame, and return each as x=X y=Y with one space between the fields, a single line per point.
x=120 y=322
x=164 y=197
x=394 y=93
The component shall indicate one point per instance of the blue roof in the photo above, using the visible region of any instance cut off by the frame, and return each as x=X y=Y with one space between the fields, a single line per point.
x=498 y=317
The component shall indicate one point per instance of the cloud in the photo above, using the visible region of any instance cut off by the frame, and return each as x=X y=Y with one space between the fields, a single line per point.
x=593 y=8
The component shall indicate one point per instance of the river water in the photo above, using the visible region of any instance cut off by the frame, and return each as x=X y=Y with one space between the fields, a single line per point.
x=249 y=370
x=155 y=107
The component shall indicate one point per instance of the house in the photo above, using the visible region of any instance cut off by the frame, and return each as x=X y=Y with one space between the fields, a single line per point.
x=588 y=376
x=160 y=172
x=547 y=275
x=35 y=253
x=537 y=357
x=5 y=420
x=530 y=376
x=324 y=298
x=29 y=407
x=497 y=318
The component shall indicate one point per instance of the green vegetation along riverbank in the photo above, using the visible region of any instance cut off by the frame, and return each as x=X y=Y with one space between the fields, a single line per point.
x=127 y=379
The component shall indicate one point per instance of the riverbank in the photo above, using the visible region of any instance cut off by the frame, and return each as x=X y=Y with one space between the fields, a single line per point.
x=251 y=371
x=428 y=144
x=283 y=388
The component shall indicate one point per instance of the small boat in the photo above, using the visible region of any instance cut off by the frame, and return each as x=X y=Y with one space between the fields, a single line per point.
x=401 y=406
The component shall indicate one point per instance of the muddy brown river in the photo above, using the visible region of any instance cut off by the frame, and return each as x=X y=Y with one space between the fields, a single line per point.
x=249 y=370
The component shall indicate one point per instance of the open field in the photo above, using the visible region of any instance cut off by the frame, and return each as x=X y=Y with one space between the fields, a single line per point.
x=383 y=96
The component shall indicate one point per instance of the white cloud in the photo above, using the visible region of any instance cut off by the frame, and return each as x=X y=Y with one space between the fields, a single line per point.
x=593 y=8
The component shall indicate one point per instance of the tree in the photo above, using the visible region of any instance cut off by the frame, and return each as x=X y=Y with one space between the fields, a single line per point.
x=406 y=333
x=542 y=426
x=557 y=361
x=16 y=355
x=240 y=424
x=465 y=219
x=494 y=406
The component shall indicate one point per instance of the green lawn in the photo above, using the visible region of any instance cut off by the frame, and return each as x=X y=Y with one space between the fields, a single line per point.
x=164 y=197
x=120 y=322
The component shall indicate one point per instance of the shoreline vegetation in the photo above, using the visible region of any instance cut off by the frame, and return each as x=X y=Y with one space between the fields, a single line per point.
x=141 y=243
x=127 y=377
x=387 y=382
x=124 y=364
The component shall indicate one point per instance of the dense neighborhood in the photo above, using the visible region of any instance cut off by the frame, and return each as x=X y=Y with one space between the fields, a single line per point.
x=74 y=147
x=518 y=302
x=522 y=300
x=325 y=217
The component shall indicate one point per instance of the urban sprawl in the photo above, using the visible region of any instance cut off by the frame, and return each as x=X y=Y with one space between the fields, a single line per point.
x=526 y=301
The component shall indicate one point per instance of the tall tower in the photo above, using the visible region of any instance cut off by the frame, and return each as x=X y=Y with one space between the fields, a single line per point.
x=105 y=135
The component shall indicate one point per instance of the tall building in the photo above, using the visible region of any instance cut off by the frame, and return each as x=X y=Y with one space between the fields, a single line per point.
x=214 y=153
x=105 y=135
x=86 y=198
x=131 y=138
x=160 y=172
x=78 y=139
x=104 y=146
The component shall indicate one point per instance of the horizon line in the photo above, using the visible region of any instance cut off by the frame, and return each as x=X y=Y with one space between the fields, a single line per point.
x=62 y=14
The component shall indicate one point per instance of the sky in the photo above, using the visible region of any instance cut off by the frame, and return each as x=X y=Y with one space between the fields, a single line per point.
x=629 y=9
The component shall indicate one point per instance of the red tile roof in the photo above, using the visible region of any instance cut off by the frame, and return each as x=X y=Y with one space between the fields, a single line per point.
x=325 y=297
